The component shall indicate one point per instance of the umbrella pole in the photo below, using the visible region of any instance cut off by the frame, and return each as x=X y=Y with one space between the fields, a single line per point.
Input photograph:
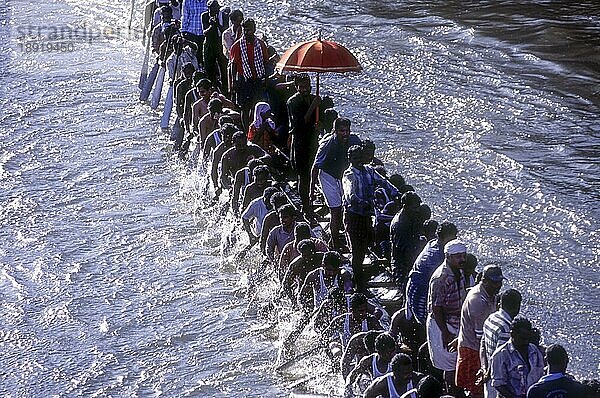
x=317 y=109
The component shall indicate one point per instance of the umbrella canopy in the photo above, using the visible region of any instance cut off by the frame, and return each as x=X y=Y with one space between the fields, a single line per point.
x=319 y=56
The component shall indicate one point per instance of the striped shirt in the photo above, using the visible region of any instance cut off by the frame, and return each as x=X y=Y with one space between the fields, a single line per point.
x=496 y=331
x=191 y=20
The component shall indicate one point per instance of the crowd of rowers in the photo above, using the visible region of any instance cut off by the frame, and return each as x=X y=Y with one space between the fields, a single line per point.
x=256 y=130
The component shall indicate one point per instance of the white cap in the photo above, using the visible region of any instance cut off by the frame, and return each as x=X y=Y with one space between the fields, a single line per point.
x=455 y=246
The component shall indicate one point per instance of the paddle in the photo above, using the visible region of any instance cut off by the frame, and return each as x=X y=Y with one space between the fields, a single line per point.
x=298 y=357
x=131 y=14
x=157 y=93
x=144 y=72
x=177 y=133
x=149 y=83
x=164 y=122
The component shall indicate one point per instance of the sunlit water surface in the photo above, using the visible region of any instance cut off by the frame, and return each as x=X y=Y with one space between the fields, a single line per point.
x=111 y=280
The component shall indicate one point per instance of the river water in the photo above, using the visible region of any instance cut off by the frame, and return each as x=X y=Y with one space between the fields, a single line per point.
x=111 y=281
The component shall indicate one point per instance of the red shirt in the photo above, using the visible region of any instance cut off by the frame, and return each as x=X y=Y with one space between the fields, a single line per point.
x=236 y=56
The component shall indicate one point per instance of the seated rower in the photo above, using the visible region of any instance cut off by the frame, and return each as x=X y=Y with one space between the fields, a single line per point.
x=280 y=235
x=378 y=363
x=294 y=276
x=200 y=107
x=344 y=326
x=318 y=282
x=209 y=121
x=360 y=345
x=401 y=380
x=406 y=331
x=271 y=220
x=215 y=138
x=181 y=87
x=242 y=178
x=334 y=305
x=256 y=188
x=227 y=132
x=237 y=157
x=256 y=211
x=290 y=251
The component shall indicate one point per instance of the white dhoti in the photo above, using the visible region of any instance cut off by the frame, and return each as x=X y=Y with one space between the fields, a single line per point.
x=332 y=189
x=440 y=357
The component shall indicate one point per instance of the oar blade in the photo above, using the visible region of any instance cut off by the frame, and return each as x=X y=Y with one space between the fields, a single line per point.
x=149 y=83
x=164 y=122
x=157 y=93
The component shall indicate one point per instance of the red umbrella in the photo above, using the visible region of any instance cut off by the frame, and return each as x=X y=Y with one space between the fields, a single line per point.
x=318 y=56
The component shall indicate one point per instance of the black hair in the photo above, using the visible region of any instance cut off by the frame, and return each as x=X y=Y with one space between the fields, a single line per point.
x=215 y=104
x=238 y=134
x=410 y=199
x=368 y=144
x=357 y=299
x=424 y=212
x=521 y=323
x=369 y=339
x=249 y=22
x=429 y=387
x=228 y=129
x=268 y=194
x=236 y=13
x=301 y=78
x=400 y=360
x=204 y=83
x=556 y=355
x=302 y=231
x=260 y=169
x=353 y=149
x=332 y=258
x=446 y=230
x=511 y=300
x=278 y=199
x=384 y=342
x=430 y=227
x=287 y=210
x=341 y=122
x=397 y=180
x=305 y=243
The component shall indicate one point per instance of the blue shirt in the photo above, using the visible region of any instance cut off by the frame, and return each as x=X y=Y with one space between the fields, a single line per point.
x=191 y=19
x=359 y=189
x=509 y=368
x=332 y=155
x=431 y=257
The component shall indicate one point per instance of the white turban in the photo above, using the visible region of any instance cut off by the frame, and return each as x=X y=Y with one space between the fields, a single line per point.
x=455 y=246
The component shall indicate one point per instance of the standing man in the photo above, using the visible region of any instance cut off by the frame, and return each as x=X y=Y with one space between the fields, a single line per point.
x=517 y=364
x=428 y=260
x=496 y=331
x=233 y=33
x=249 y=56
x=358 y=188
x=191 y=24
x=301 y=111
x=329 y=165
x=405 y=236
x=479 y=304
x=214 y=22
x=230 y=36
x=447 y=291
x=556 y=384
